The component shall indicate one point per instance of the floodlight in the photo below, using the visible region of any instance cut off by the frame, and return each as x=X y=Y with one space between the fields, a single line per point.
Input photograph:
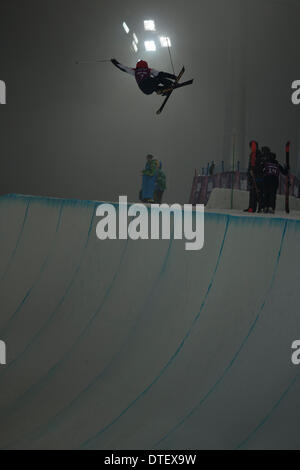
x=150 y=46
x=149 y=25
x=165 y=41
x=126 y=27
x=134 y=46
x=135 y=38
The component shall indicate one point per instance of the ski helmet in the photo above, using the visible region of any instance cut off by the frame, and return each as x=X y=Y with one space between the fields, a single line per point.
x=142 y=64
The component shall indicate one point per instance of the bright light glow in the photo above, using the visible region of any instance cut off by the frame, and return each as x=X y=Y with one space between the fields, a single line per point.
x=150 y=46
x=149 y=25
x=165 y=41
x=126 y=27
x=134 y=46
x=135 y=38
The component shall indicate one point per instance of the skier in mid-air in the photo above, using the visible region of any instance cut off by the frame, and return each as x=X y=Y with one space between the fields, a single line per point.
x=149 y=80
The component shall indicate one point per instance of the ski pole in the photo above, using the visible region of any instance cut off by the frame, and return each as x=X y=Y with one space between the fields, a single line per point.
x=171 y=57
x=78 y=62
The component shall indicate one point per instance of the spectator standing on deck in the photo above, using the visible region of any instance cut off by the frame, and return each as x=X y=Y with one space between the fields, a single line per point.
x=271 y=170
x=160 y=185
x=255 y=179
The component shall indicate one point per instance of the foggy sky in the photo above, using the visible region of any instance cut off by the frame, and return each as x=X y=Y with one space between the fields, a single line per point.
x=84 y=131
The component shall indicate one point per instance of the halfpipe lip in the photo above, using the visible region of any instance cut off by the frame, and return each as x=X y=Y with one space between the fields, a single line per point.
x=280 y=216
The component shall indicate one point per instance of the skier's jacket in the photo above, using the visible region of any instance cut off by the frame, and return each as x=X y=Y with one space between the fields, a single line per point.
x=272 y=168
x=255 y=165
x=151 y=168
x=140 y=74
x=161 y=179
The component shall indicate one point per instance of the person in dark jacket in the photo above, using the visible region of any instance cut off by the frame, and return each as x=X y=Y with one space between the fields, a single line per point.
x=271 y=170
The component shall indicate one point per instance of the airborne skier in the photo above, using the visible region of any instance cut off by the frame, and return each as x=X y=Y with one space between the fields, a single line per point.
x=149 y=80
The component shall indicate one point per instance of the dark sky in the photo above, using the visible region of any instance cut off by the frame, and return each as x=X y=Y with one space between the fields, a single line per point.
x=84 y=131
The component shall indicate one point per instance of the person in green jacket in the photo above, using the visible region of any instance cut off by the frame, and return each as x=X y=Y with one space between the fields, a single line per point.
x=149 y=180
x=151 y=166
x=160 y=185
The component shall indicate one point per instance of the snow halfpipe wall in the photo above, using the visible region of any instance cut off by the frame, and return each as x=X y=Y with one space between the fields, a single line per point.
x=143 y=345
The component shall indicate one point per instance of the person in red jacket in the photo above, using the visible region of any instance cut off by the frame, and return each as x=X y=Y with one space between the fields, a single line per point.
x=149 y=80
x=255 y=179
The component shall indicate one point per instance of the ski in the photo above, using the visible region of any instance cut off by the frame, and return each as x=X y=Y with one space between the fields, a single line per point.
x=179 y=85
x=170 y=92
x=287 y=179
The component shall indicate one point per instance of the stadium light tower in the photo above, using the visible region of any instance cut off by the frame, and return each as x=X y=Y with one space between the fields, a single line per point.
x=149 y=40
